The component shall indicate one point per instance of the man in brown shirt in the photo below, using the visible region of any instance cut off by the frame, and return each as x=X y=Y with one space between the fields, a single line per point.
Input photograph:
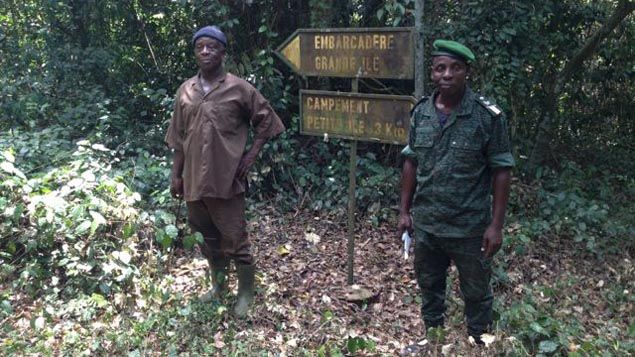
x=213 y=112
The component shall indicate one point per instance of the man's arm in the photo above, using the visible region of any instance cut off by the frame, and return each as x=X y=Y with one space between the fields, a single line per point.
x=493 y=237
x=408 y=185
x=249 y=158
x=176 y=185
x=265 y=124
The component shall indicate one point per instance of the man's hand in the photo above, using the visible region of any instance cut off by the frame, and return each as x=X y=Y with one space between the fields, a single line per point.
x=245 y=164
x=492 y=241
x=405 y=223
x=176 y=187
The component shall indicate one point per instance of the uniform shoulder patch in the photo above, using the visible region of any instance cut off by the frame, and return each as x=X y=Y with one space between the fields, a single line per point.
x=494 y=109
x=422 y=100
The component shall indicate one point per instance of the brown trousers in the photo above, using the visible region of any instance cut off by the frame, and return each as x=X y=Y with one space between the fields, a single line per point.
x=222 y=224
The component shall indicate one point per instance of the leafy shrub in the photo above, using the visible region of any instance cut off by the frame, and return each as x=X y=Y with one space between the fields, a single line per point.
x=78 y=226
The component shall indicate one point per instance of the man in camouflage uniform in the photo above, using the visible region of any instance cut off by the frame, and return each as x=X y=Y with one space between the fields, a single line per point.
x=456 y=177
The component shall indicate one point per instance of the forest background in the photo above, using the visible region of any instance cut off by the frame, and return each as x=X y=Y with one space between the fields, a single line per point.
x=96 y=258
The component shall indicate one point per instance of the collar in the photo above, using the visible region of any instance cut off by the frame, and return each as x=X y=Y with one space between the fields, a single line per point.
x=194 y=81
x=465 y=107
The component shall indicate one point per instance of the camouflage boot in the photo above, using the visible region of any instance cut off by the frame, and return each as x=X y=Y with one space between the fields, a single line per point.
x=218 y=272
x=245 y=289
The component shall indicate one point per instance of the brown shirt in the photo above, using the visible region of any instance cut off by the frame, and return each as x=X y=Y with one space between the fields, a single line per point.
x=211 y=130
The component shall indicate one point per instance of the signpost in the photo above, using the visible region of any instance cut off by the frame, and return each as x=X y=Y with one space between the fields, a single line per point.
x=356 y=116
x=353 y=53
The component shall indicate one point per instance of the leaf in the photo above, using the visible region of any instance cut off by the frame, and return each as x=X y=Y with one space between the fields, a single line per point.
x=98 y=218
x=327 y=315
x=99 y=147
x=5 y=306
x=190 y=240
x=171 y=231
x=39 y=323
x=354 y=344
x=83 y=227
x=163 y=239
x=537 y=328
x=312 y=238
x=124 y=257
x=262 y=29
x=128 y=230
x=283 y=250
x=99 y=300
x=488 y=339
x=547 y=346
x=218 y=340
x=8 y=156
x=380 y=14
x=446 y=350
x=7 y=167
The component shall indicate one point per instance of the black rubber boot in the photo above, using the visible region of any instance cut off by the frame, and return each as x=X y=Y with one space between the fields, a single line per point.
x=218 y=272
x=246 y=275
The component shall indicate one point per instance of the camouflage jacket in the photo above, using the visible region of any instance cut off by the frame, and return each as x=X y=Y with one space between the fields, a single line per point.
x=454 y=165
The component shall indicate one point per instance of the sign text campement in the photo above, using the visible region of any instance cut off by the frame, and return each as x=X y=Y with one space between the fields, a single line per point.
x=366 y=117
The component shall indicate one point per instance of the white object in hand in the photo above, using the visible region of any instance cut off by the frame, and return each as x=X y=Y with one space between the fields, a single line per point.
x=405 y=237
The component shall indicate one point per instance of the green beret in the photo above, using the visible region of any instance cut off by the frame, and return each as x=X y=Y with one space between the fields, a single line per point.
x=452 y=49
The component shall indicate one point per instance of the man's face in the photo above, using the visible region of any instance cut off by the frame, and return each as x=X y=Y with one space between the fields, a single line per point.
x=448 y=74
x=209 y=53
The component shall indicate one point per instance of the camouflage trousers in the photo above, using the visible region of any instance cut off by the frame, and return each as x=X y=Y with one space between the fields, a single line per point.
x=432 y=260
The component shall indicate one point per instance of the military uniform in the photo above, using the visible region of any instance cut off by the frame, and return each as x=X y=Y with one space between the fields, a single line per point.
x=451 y=207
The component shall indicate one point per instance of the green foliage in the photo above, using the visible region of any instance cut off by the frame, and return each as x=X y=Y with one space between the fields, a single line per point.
x=86 y=92
x=538 y=332
x=586 y=205
x=52 y=221
x=358 y=344
x=393 y=12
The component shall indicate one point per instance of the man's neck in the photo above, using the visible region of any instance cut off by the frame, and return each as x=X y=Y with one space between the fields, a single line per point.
x=448 y=103
x=212 y=75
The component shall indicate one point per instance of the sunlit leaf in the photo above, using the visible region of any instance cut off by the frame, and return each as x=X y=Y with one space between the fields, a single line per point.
x=171 y=231
x=284 y=250
x=547 y=346
x=83 y=227
x=8 y=156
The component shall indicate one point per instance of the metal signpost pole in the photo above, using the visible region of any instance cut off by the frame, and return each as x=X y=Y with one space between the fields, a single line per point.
x=419 y=70
x=351 y=198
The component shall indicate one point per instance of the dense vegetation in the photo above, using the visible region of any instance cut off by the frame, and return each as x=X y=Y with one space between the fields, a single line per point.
x=88 y=231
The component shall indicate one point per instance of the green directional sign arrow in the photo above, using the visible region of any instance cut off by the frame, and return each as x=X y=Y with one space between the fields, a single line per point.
x=351 y=53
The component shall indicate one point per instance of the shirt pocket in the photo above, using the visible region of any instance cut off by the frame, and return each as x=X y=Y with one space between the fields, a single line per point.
x=466 y=155
x=424 y=138
x=225 y=116
x=423 y=148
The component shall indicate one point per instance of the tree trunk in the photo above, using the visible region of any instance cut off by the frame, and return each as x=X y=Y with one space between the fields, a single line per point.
x=544 y=133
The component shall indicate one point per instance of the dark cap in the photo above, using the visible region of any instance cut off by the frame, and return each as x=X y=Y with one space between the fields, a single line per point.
x=210 y=31
x=452 y=49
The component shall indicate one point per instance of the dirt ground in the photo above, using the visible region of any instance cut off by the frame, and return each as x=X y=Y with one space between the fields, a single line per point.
x=302 y=303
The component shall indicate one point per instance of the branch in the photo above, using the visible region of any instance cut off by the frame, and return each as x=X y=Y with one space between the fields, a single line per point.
x=135 y=7
x=623 y=9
